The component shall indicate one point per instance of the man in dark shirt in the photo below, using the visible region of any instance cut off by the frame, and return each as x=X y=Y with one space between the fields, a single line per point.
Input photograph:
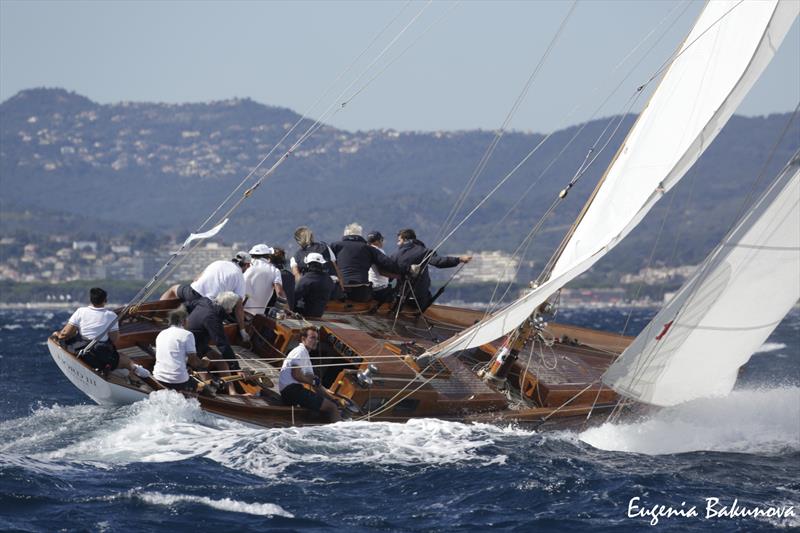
x=278 y=258
x=411 y=251
x=355 y=257
x=315 y=288
x=206 y=324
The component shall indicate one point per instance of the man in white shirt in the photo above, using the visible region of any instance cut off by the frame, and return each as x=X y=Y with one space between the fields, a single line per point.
x=261 y=280
x=96 y=322
x=218 y=277
x=175 y=348
x=297 y=370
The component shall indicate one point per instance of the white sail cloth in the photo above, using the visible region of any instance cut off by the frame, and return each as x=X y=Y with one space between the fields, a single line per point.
x=725 y=53
x=696 y=344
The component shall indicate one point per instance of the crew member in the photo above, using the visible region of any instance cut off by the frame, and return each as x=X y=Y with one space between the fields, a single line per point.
x=205 y=322
x=296 y=370
x=96 y=322
x=355 y=257
x=218 y=277
x=262 y=279
x=411 y=251
x=278 y=258
x=305 y=240
x=175 y=348
x=382 y=291
x=315 y=288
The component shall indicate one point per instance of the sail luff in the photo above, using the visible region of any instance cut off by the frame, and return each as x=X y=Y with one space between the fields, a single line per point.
x=696 y=344
x=656 y=156
x=576 y=223
x=697 y=95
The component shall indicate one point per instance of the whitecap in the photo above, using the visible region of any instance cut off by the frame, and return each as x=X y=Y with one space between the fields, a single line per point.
x=770 y=347
x=762 y=421
x=224 y=504
x=168 y=427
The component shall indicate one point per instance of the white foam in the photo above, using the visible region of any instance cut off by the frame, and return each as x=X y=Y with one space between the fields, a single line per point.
x=168 y=427
x=225 y=504
x=770 y=347
x=12 y=326
x=765 y=421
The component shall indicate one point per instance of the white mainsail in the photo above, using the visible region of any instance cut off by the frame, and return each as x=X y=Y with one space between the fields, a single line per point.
x=726 y=51
x=725 y=311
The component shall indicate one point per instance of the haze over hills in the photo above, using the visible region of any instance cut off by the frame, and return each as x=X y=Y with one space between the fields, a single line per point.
x=68 y=164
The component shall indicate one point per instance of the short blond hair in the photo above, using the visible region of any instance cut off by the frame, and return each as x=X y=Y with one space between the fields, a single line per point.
x=353 y=229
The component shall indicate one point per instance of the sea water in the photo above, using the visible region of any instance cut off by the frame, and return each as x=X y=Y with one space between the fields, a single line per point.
x=164 y=464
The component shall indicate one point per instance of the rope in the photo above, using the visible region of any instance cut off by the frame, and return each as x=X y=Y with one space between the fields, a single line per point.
x=501 y=131
x=632 y=100
x=306 y=114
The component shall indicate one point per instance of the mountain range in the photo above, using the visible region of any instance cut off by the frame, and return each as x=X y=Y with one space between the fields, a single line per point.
x=70 y=165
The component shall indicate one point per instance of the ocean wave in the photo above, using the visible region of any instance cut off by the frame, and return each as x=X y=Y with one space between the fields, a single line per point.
x=755 y=421
x=224 y=504
x=770 y=347
x=168 y=427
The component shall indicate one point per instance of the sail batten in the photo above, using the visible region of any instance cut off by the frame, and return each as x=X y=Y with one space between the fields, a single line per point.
x=726 y=51
x=696 y=344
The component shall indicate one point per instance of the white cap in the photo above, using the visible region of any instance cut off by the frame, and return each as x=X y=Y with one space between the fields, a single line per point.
x=261 y=249
x=242 y=258
x=314 y=257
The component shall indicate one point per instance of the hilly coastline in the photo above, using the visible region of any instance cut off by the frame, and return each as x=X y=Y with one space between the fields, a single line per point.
x=70 y=165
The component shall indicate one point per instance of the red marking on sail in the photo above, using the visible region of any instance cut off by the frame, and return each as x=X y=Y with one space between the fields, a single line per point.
x=664 y=331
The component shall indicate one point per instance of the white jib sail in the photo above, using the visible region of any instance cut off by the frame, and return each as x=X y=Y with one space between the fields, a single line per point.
x=725 y=311
x=726 y=51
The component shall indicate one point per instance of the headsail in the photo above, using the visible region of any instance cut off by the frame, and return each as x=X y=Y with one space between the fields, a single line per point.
x=696 y=344
x=725 y=53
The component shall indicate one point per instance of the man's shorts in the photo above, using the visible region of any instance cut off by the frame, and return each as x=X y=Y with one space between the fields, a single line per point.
x=103 y=356
x=296 y=394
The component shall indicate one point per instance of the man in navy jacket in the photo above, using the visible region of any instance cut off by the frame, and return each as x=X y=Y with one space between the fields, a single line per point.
x=411 y=251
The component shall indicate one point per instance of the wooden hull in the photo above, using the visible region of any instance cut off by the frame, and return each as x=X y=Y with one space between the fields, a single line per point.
x=558 y=386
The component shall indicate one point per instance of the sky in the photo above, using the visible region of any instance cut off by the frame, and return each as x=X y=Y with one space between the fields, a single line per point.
x=444 y=65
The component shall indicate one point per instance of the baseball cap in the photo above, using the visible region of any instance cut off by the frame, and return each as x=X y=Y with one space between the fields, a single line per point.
x=314 y=257
x=261 y=249
x=242 y=258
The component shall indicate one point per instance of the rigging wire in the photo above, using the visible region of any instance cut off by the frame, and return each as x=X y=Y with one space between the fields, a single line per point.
x=638 y=91
x=576 y=108
x=297 y=143
x=306 y=113
x=501 y=131
x=602 y=104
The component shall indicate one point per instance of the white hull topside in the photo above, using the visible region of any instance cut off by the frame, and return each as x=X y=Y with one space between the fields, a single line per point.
x=87 y=380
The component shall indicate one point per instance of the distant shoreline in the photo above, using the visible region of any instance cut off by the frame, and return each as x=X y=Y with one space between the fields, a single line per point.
x=470 y=305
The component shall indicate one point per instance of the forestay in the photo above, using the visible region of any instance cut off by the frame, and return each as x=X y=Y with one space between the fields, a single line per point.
x=696 y=344
x=725 y=53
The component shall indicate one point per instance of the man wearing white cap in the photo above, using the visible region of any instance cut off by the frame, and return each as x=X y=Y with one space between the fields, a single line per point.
x=261 y=280
x=315 y=288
